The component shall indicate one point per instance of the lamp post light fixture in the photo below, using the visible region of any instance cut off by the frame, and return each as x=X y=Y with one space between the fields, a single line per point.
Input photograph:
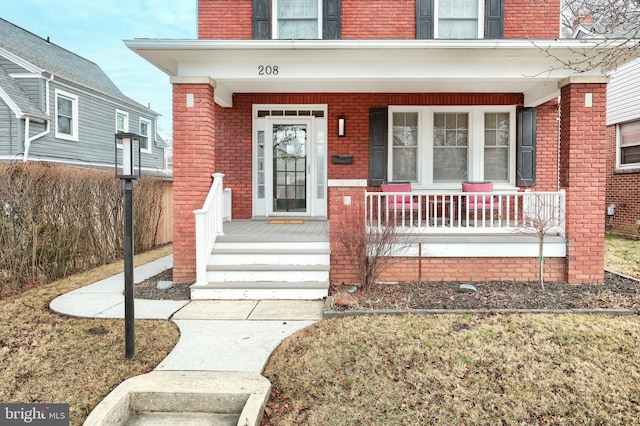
x=127 y=165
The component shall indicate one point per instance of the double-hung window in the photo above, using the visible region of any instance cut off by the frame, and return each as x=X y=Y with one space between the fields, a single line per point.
x=440 y=146
x=297 y=19
x=629 y=144
x=145 y=134
x=66 y=116
x=459 y=19
x=122 y=124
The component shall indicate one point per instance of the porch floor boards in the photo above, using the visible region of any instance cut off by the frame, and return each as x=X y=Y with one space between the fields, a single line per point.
x=262 y=231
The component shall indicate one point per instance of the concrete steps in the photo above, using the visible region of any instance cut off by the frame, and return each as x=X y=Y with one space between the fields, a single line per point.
x=266 y=270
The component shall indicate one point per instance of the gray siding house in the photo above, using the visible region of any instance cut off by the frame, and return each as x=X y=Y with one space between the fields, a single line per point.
x=56 y=106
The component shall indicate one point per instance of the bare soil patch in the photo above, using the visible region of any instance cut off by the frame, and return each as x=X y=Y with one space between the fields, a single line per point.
x=147 y=289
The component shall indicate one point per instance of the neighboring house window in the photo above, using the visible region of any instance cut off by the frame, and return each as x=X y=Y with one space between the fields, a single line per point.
x=66 y=116
x=459 y=19
x=445 y=145
x=629 y=143
x=145 y=140
x=297 y=19
x=122 y=124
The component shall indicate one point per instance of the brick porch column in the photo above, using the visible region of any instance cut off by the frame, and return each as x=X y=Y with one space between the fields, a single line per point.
x=346 y=208
x=583 y=175
x=193 y=165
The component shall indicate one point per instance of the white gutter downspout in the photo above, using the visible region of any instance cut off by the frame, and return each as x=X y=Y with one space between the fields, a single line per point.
x=47 y=130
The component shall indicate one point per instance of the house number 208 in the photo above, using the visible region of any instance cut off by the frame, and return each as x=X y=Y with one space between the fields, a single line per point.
x=267 y=70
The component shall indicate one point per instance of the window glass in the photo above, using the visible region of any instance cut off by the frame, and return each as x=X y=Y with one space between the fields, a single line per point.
x=144 y=135
x=65 y=116
x=629 y=142
x=405 y=146
x=458 y=19
x=496 y=146
x=121 y=123
x=297 y=19
x=450 y=147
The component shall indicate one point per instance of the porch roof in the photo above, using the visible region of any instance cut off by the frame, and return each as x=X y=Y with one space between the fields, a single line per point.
x=532 y=67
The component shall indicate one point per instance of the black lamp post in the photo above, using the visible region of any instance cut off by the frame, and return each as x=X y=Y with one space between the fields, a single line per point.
x=128 y=169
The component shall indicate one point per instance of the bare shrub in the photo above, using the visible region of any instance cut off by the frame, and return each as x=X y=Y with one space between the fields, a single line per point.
x=56 y=220
x=369 y=251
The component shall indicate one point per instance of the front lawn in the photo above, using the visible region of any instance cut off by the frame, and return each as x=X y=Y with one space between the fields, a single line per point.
x=453 y=369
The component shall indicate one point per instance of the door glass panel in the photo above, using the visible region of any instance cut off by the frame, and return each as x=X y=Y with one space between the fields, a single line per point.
x=290 y=167
x=261 y=171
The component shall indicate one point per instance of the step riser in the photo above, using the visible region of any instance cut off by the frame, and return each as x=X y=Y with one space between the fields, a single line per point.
x=281 y=276
x=258 y=294
x=269 y=259
x=301 y=246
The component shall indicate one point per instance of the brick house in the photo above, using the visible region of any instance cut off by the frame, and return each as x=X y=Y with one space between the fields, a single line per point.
x=307 y=107
x=623 y=151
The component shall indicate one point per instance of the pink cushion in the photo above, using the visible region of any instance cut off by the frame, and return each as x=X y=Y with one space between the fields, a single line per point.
x=484 y=202
x=399 y=202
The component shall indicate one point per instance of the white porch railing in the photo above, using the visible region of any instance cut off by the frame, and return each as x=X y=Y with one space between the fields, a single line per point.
x=208 y=226
x=452 y=213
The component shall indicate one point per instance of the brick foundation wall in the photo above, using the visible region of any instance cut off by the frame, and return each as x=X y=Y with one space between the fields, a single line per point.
x=193 y=165
x=342 y=269
x=582 y=174
x=378 y=19
x=484 y=269
x=622 y=191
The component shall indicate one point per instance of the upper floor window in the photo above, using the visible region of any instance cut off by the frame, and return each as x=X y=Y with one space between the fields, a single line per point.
x=66 y=115
x=122 y=121
x=145 y=135
x=459 y=19
x=297 y=19
x=629 y=144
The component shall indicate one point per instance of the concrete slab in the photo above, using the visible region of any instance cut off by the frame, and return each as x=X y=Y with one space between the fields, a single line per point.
x=288 y=310
x=146 y=309
x=216 y=310
x=114 y=284
x=220 y=345
x=85 y=305
x=167 y=394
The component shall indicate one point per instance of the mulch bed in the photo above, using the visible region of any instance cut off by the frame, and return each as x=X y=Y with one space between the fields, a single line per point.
x=617 y=292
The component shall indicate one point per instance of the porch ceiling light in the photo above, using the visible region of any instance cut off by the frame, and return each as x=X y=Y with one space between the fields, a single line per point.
x=341 y=123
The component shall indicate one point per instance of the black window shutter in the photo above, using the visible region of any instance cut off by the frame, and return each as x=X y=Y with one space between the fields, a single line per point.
x=424 y=19
x=494 y=25
x=331 y=22
x=526 y=147
x=378 y=131
x=261 y=19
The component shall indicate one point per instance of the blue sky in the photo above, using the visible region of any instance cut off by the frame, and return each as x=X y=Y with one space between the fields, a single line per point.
x=94 y=29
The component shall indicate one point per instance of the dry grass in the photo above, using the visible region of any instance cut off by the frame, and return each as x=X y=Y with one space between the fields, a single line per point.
x=622 y=255
x=49 y=358
x=451 y=369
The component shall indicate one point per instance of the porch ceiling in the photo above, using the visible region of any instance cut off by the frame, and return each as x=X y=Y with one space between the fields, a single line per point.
x=387 y=66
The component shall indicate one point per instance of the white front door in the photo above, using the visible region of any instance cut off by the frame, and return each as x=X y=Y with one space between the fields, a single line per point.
x=289 y=166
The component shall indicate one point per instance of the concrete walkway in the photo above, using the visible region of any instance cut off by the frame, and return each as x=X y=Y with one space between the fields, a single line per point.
x=214 y=335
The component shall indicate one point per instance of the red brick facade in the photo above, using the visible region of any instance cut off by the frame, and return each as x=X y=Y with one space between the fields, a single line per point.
x=379 y=19
x=622 y=192
x=582 y=165
x=209 y=138
x=193 y=164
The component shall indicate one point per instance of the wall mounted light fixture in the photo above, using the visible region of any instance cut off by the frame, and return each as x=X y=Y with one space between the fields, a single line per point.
x=341 y=126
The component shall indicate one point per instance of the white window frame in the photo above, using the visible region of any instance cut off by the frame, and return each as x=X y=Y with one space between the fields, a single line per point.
x=149 y=136
x=74 y=117
x=475 y=166
x=619 y=164
x=436 y=26
x=274 y=19
x=125 y=114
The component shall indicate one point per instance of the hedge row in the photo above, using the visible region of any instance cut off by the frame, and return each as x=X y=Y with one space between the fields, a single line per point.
x=57 y=220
